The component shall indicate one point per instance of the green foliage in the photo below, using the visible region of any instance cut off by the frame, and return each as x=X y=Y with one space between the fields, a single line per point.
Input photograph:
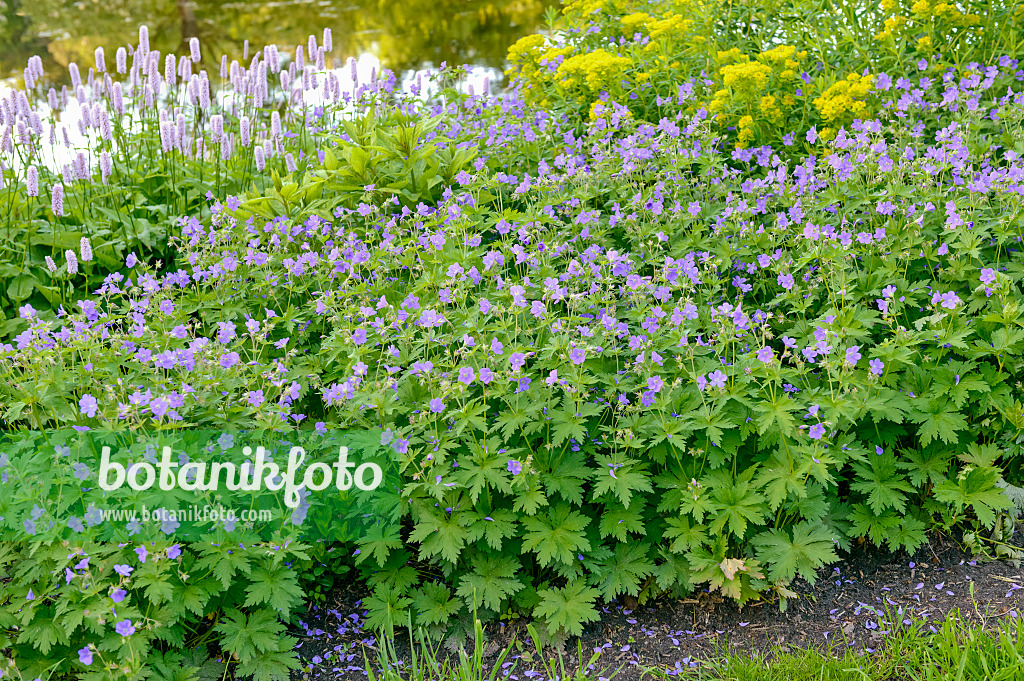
x=61 y=601
x=613 y=358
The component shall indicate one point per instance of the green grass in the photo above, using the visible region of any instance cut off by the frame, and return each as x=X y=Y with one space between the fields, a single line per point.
x=960 y=651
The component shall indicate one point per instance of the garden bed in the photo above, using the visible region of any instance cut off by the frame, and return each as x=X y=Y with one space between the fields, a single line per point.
x=850 y=606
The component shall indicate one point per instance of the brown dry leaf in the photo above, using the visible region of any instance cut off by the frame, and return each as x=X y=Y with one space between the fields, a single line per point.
x=730 y=566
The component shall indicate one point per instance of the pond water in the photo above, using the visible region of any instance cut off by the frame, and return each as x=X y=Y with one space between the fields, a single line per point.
x=400 y=35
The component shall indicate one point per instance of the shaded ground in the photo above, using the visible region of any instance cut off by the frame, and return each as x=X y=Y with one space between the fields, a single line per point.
x=852 y=604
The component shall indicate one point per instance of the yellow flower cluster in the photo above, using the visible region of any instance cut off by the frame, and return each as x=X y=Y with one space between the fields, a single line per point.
x=779 y=55
x=924 y=12
x=584 y=7
x=845 y=97
x=746 y=133
x=523 y=57
x=893 y=24
x=731 y=56
x=717 y=104
x=631 y=23
x=597 y=70
x=525 y=49
x=746 y=78
x=770 y=108
x=642 y=22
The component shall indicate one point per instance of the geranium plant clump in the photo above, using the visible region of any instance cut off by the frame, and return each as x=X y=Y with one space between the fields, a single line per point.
x=619 y=357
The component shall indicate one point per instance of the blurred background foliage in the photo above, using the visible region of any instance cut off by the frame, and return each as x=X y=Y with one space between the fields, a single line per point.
x=406 y=34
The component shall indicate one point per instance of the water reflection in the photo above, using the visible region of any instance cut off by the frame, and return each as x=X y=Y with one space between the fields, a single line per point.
x=402 y=34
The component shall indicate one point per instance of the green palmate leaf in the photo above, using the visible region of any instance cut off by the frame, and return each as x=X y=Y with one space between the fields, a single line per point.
x=492 y=581
x=876 y=527
x=882 y=483
x=977 y=490
x=908 y=535
x=567 y=423
x=248 y=636
x=618 y=522
x=434 y=604
x=569 y=608
x=378 y=543
x=397 y=574
x=388 y=607
x=531 y=499
x=494 y=528
x=981 y=455
x=567 y=476
x=223 y=562
x=734 y=502
x=156 y=581
x=940 y=421
x=781 y=478
x=277 y=586
x=686 y=536
x=272 y=665
x=440 y=533
x=929 y=465
x=621 y=477
x=712 y=422
x=43 y=633
x=776 y=415
x=623 y=571
x=556 y=536
x=191 y=596
x=802 y=552
x=485 y=468
x=673 y=569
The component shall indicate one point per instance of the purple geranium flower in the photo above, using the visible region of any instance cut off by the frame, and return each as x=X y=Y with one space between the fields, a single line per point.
x=88 y=405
